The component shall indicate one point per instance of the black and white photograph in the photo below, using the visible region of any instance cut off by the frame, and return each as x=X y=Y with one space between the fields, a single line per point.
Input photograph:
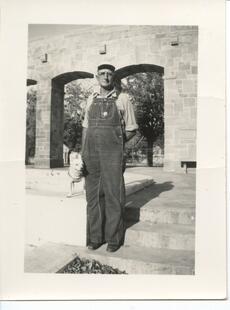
x=111 y=149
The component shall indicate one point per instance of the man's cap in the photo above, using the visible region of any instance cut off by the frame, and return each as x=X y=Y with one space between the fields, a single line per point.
x=106 y=66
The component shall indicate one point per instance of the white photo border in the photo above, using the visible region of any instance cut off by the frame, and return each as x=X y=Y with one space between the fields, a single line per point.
x=209 y=281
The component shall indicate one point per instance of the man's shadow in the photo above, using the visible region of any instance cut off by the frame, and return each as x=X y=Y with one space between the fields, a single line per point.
x=136 y=201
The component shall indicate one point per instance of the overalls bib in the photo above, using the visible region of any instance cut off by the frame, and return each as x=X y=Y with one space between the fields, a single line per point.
x=103 y=156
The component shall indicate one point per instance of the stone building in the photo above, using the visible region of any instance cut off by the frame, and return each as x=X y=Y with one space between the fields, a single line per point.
x=54 y=61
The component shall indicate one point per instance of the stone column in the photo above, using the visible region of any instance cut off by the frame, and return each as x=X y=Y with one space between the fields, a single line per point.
x=57 y=125
x=43 y=110
x=49 y=125
x=180 y=117
x=171 y=158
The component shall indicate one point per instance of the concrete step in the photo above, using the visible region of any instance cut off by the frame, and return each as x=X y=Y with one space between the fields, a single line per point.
x=159 y=210
x=162 y=202
x=168 y=215
x=164 y=236
x=132 y=259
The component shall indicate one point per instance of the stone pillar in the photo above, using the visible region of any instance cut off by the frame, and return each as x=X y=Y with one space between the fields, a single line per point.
x=171 y=158
x=43 y=109
x=180 y=87
x=49 y=125
x=57 y=125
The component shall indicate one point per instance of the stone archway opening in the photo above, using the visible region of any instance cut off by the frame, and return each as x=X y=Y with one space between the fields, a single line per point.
x=75 y=99
x=30 y=121
x=144 y=82
x=57 y=113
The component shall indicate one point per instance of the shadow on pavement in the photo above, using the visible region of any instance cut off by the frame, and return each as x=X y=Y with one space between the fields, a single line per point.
x=137 y=200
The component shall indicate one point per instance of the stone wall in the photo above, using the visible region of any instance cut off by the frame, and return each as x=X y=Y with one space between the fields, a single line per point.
x=75 y=55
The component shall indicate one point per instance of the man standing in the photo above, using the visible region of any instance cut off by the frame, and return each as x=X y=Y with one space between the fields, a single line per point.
x=108 y=123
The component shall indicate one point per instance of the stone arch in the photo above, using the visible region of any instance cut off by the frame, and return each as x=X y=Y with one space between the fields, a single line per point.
x=132 y=69
x=68 y=77
x=57 y=112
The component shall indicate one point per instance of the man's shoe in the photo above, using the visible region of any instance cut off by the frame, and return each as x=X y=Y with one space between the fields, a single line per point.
x=112 y=248
x=94 y=246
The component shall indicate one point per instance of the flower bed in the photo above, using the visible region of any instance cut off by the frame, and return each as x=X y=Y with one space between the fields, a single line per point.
x=83 y=265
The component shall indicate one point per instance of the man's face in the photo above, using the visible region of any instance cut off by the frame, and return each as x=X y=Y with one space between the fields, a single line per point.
x=105 y=78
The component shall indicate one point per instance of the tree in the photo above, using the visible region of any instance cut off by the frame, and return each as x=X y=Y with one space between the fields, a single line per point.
x=30 y=124
x=75 y=98
x=147 y=92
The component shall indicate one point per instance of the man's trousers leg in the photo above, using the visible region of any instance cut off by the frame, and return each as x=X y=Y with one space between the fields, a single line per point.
x=95 y=209
x=113 y=186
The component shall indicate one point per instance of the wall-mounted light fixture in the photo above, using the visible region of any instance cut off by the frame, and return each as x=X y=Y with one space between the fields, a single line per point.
x=102 y=50
x=44 y=58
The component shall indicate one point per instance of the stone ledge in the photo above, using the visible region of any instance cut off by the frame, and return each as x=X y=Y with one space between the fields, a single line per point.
x=51 y=257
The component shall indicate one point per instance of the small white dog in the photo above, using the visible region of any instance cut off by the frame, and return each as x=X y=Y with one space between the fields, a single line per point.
x=75 y=171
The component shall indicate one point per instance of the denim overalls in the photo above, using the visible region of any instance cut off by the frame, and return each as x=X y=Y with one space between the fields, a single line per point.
x=103 y=156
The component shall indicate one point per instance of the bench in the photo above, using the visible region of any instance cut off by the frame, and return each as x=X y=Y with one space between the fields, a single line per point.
x=185 y=164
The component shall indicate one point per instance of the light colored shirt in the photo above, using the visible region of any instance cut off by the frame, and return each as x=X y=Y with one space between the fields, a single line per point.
x=124 y=106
